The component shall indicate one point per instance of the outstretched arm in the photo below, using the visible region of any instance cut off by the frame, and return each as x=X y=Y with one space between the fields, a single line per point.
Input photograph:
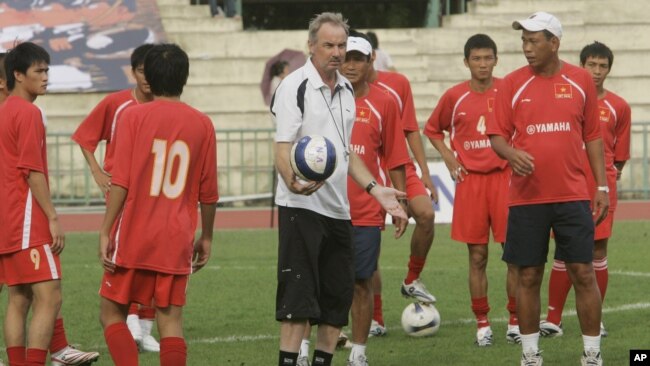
x=386 y=196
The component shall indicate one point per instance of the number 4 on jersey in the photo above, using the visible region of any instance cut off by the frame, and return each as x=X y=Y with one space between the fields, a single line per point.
x=480 y=126
x=161 y=177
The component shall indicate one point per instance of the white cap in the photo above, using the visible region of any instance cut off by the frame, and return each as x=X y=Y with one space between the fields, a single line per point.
x=538 y=22
x=359 y=44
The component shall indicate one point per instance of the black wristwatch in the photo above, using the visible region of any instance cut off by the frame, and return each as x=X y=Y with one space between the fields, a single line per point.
x=371 y=185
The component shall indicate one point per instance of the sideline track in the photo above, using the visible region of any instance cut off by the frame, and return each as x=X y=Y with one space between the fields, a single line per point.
x=260 y=218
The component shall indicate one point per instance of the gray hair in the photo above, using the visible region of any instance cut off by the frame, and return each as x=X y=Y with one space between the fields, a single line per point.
x=327 y=17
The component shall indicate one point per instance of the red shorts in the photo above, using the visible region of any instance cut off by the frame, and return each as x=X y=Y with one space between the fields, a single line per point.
x=481 y=202
x=611 y=183
x=604 y=229
x=31 y=265
x=149 y=288
x=414 y=186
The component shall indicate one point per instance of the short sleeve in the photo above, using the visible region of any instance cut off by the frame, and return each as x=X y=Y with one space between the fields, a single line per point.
x=31 y=137
x=208 y=190
x=95 y=127
x=622 y=131
x=440 y=119
x=286 y=114
x=501 y=121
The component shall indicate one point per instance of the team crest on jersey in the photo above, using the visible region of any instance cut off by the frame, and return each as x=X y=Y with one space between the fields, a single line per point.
x=604 y=114
x=490 y=102
x=563 y=91
x=363 y=115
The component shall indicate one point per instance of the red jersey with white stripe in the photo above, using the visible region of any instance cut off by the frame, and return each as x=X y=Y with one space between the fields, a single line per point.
x=463 y=113
x=398 y=86
x=615 y=122
x=549 y=118
x=165 y=156
x=101 y=122
x=22 y=149
x=378 y=139
x=615 y=119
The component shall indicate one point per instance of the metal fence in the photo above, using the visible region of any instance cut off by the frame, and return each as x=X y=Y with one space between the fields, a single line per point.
x=245 y=167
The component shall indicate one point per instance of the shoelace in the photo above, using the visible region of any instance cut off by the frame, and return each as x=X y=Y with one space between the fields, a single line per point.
x=531 y=358
x=592 y=358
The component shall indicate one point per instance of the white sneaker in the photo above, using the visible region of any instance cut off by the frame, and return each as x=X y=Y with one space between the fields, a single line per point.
x=550 y=330
x=360 y=360
x=418 y=291
x=376 y=329
x=603 y=331
x=532 y=359
x=513 y=335
x=484 y=336
x=303 y=361
x=591 y=358
x=150 y=344
x=72 y=356
x=133 y=323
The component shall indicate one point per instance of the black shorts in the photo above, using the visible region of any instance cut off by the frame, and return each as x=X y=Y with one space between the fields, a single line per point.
x=367 y=240
x=529 y=230
x=315 y=267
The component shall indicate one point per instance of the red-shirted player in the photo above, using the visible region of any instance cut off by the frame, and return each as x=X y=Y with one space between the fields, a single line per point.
x=165 y=163
x=545 y=112
x=33 y=266
x=615 y=117
x=419 y=200
x=481 y=177
x=100 y=126
x=377 y=138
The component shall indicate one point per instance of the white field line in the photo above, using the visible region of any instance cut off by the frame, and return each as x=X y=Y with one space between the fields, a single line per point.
x=230 y=339
x=262 y=337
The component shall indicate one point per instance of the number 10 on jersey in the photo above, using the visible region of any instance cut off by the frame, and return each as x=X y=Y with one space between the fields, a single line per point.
x=164 y=160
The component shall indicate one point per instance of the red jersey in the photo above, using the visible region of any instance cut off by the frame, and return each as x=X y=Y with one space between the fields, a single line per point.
x=165 y=156
x=398 y=86
x=101 y=122
x=22 y=149
x=616 y=120
x=549 y=118
x=378 y=139
x=463 y=112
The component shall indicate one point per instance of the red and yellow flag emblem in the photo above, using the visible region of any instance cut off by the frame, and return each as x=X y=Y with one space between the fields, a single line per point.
x=563 y=91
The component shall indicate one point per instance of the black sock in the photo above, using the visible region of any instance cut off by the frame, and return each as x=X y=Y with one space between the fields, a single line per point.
x=322 y=358
x=288 y=358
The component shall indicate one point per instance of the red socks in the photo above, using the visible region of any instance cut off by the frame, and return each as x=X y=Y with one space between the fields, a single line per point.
x=121 y=345
x=133 y=309
x=602 y=275
x=173 y=351
x=377 y=312
x=512 y=309
x=416 y=264
x=146 y=312
x=35 y=357
x=481 y=309
x=559 y=285
x=16 y=356
x=59 y=341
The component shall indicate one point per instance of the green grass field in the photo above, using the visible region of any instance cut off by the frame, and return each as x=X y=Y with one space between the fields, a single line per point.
x=229 y=319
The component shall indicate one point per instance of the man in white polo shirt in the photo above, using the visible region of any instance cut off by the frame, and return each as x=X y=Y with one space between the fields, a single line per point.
x=315 y=257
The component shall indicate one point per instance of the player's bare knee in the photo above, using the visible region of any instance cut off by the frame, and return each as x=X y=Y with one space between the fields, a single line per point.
x=530 y=277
